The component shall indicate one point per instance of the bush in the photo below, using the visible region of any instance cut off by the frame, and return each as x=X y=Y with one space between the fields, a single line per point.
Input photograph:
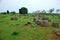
x=23 y=10
x=15 y=33
x=28 y=22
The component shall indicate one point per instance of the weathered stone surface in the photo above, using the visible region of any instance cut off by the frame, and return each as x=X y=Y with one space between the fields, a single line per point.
x=45 y=18
x=45 y=23
x=38 y=22
x=57 y=32
x=55 y=24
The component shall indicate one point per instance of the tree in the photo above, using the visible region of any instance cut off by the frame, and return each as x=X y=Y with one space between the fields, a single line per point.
x=23 y=10
x=8 y=11
x=51 y=10
x=57 y=11
x=43 y=11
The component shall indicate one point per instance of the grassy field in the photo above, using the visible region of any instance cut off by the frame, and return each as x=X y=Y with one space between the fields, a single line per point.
x=8 y=26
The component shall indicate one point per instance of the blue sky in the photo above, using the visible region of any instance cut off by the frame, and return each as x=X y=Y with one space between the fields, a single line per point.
x=32 y=5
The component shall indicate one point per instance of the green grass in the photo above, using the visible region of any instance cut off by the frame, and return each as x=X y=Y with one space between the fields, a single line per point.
x=7 y=27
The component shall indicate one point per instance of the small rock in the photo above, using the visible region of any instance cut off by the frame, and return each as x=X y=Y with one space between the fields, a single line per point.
x=38 y=22
x=45 y=23
x=55 y=24
x=57 y=32
x=14 y=18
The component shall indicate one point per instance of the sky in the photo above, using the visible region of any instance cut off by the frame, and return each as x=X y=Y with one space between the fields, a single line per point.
x=32 y=5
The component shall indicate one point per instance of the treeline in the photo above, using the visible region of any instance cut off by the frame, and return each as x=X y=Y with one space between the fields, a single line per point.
x=24 y=10
x=50 y=11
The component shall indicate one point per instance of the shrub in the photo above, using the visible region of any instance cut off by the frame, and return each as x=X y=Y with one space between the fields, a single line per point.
x=15 y=33
x=23 y=10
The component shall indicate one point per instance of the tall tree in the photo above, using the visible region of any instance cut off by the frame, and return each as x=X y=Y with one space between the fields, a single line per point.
x=58 y=10
x=23 y=10
x=51 y=10
x=8 y=11
x=43 y=11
